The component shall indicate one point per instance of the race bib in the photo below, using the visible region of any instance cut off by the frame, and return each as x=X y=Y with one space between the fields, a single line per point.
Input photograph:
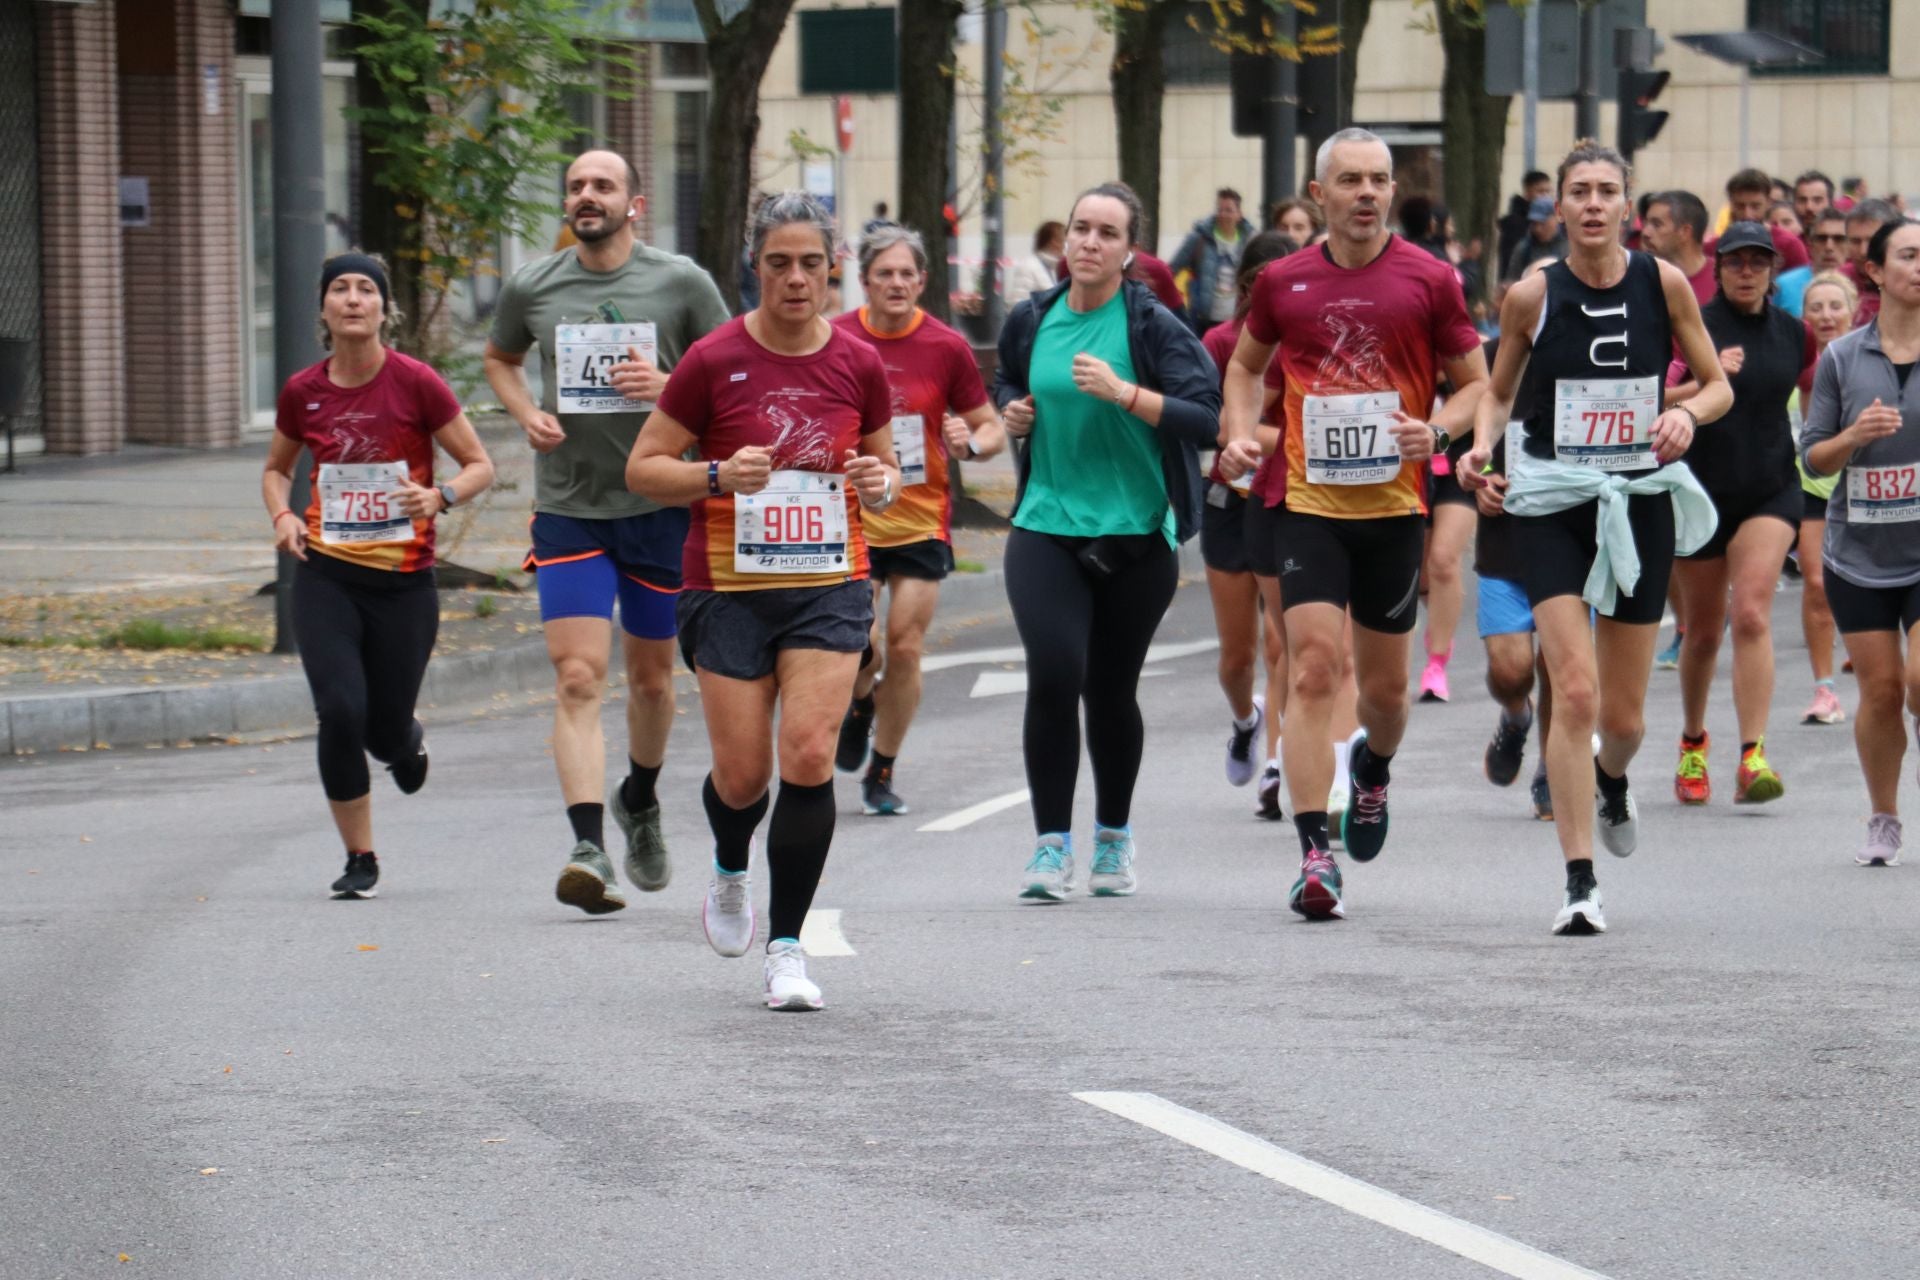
x=583 y=358
x=1606 y=424
x=357 y=503
x=1349 y=439
x=910 y=448
x=796 y=525
x=1883 y=495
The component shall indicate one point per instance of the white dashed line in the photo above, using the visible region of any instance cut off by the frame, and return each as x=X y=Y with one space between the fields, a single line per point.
x=1509 y=1257
x=820 y=934
x=973 y=813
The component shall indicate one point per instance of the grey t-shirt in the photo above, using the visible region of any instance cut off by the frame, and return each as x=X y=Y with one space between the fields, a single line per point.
x=586 y=476
x=1852 y=374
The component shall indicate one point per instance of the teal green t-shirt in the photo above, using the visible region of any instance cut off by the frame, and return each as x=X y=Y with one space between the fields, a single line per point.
x=1092 y=468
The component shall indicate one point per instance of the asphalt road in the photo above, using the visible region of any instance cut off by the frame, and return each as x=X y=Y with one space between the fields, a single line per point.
x=216 y=1071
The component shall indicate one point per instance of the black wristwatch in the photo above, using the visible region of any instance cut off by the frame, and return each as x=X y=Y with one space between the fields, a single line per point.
x=448 y=497
x=1442 y=439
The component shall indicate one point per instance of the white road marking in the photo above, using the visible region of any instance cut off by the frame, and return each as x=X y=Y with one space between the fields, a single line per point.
x=1014 y=653
x=991 y=684
x=820 y=934
x=1509 y=1257
x=1185 y=649
x=973 y=813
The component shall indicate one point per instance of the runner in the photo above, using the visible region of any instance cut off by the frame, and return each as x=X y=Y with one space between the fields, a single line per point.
x=1114 y=396
x=1746 y=466
x=792 y=422
x=1593 y=336
x=1451 y=522
x=611 y=317
x=939 y=407
x=1366 y=325
x=1863 y=427
x=1829 y=304
x=365 y=611
x=1237 y=578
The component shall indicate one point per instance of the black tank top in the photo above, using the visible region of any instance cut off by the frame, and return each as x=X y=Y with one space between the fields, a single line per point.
x=1622 y=332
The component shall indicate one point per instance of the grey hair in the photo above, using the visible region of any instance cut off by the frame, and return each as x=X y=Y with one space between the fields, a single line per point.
x=783 y=209
x=1353 y=133
x=888 y=235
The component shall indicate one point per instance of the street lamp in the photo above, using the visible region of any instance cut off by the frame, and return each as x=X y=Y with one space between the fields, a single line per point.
x=1747 y=50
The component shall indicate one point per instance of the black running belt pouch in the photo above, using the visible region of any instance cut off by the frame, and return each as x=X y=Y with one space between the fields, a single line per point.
x=1108 y=554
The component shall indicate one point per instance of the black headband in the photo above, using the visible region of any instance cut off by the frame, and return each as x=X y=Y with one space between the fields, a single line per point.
x=355 y=264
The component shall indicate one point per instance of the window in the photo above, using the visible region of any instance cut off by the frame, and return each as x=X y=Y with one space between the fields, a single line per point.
x=1852 y=33
x=848 y=51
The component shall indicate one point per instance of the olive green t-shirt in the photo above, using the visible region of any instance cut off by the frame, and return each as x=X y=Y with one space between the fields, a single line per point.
x=1093 y=468
x=586 y=476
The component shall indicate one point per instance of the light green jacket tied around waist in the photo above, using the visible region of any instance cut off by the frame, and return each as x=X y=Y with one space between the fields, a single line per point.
x=1545 y=487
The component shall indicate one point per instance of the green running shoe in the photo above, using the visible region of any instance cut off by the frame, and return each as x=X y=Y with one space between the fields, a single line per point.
x=588 y=883
x=646 y=847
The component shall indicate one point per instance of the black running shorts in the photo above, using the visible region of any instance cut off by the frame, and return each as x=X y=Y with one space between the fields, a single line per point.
x=1556 y=554
x=1784 y=504
x=740 y=634
x=1857 y=608
x=1223 y=529
x=1369 y=567
x=930 y=560
x=1262 y=551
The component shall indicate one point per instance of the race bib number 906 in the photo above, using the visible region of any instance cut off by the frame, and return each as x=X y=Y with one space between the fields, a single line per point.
x=1605 y=424
x=1883 y=495
x=796 y=525
x=1349 y=439
x=584 y=356
x=357 y=505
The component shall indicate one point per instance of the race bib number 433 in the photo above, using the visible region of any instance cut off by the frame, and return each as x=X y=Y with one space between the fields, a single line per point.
x=1349 y=439
x=1883 y=495
x=584 y=356
x=357 y=505
x=796 y=525
x=1606 y=424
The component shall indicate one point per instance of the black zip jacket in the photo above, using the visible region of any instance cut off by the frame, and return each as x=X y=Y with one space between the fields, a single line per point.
x=1167 y=358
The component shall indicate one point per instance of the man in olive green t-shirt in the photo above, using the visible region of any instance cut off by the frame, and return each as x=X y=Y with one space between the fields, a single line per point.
x=611 y=317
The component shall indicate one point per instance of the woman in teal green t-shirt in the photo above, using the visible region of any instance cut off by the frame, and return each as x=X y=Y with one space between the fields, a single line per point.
x=1110 y=396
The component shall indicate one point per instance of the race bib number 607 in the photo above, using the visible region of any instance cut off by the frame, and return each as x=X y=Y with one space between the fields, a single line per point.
x=1349 y=439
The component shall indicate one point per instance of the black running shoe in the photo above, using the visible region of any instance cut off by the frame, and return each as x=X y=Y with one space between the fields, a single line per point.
x=360 y=877
x=1542 y=797
x=410 y=771
x=876 y=794
x=1269 y=795
x=854 y=732
x=1508 y=748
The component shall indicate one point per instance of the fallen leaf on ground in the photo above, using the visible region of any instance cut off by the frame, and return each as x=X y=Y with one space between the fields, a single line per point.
x=86 y=839
x=227 y=1071
x=366 y=946
x=493 y=1139
x=125 y=1257
x=209 y=1172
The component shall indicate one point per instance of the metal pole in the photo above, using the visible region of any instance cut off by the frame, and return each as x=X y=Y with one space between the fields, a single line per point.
x=1530 y=79
x=1586 y=123
x=993 y=211
x=1277 y=160
x=1746 y=112
x=299 y=232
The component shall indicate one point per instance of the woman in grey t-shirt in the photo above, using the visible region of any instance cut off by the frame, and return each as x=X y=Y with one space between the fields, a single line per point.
x=1864 y=427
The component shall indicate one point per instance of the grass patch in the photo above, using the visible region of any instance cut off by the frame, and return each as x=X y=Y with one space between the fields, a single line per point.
x=486 y=608
x=10 y=641
x=968 y=566
x=151 y=634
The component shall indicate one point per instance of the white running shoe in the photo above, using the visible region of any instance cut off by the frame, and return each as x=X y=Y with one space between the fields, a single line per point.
x=1883 y=842
x=1581 y=914
x=1618 y=823
x=727 y=914
x=1241 y=761
x=1049 y=874
x=787 y=983
x=1337 y=813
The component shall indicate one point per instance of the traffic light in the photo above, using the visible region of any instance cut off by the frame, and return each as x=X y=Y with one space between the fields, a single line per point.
x=1639 y=123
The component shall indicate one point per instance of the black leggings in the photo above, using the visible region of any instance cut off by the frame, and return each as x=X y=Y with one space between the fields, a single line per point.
x=1086 y=640
x=365 y=636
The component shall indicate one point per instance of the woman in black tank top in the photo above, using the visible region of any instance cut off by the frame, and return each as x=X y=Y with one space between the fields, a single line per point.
x=1592 y=336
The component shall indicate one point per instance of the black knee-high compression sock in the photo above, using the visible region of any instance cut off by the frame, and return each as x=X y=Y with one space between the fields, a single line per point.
x=589 y=823
x=732 y=828
x=636 y=790
x=797 y=843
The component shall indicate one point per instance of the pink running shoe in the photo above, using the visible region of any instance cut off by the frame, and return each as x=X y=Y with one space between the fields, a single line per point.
x=1825 y=708
x=1433 y=681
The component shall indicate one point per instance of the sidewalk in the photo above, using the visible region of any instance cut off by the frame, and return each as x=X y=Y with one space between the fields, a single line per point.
x=99 y=555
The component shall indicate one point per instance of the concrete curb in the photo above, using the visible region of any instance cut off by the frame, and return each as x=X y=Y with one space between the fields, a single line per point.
x=165 y=715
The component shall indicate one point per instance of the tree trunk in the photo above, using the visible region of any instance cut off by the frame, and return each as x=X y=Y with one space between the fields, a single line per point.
x=738 y=51
x=377 y=227
x=926 y=122
x=1139 y=79
x=1322 y=123
x=1473 y=137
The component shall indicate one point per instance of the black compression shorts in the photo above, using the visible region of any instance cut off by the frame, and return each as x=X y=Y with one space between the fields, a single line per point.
x=1784 y=504
x=1370 y=567
x=1557 y=554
